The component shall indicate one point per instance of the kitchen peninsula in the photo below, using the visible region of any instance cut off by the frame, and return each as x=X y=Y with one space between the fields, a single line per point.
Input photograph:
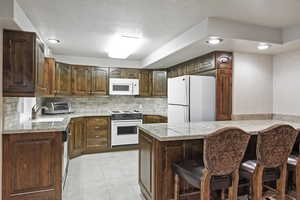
x=163 y=144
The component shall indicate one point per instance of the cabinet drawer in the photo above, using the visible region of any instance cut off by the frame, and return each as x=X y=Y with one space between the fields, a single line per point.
x=97 y=122
x=97 y=134
x=97 y=142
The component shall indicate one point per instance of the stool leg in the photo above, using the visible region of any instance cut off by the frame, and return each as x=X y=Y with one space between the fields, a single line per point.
x=257 y=183
x=233 y=190
x=281 y=183
x=177 y=188
x=298 y=180
x=205 y=187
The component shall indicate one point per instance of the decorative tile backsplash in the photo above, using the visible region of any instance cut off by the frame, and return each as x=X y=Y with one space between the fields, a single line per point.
x=105 y=104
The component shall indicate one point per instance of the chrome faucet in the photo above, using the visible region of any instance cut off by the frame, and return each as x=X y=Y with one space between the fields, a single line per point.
x=35 y=110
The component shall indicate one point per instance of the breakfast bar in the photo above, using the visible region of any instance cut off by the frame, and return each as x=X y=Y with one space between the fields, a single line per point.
x=163 y=144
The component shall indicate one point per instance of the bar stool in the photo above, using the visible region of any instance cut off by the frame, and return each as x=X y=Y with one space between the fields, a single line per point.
x=223 y=153
x=274 y=146
x=294 y=164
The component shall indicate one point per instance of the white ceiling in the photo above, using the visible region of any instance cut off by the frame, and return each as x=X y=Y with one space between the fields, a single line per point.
x=85 y=26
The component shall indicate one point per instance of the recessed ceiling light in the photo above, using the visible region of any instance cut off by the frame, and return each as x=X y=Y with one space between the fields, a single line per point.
x=53 y=41
x=263 y=46
x=213 y=40
x=123 y=46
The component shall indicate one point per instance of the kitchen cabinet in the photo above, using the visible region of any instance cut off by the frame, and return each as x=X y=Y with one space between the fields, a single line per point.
x=63 y=79
x=89 y=135
x=159 y=83
x=19 y=63
x=145 y=83
x=224 y=94
x=45 y=78
x=150 y=119
x=97 y=134
x=42 y=78
x=78 y=137
x=99 y=81
x=32 y=166
x=124 y=73
x=81 y=80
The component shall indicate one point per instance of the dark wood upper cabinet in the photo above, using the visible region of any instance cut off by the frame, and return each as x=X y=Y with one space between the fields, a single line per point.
x=115 y=73
x=99 y=81
x=63 y=79
x=78 y=139
x=32 y=167
x=124 y=73
x=224 y=94
x=159 y=83
x=19 y=63
x=145 y=83
x=81 y=80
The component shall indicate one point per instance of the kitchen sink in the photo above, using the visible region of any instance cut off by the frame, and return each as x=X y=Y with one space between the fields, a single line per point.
x=53 y=119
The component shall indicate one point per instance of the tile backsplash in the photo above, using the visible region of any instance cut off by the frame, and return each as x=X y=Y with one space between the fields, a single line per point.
x=105 y=104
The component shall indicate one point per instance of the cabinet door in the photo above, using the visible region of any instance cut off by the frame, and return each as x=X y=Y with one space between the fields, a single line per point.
x=146 y=166
x=115 y=73
x=130 y=73
x=99 y=81
x=159 y=83
x=97 y=136
x=32 y=167
x=19 y=64
x=224 y=94
x=151 y=119
x=145 y=83
x=81 y=80
x=78 y=136
x=63 y=79
x=42 y=77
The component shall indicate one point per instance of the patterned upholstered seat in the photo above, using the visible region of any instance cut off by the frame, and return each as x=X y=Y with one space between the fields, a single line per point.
x=274 y=146
x=223 y=153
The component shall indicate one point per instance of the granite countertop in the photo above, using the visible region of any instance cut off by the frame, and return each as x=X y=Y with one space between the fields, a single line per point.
x=198 y=130
x=30 y=126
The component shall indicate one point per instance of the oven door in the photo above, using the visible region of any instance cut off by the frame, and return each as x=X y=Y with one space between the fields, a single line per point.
x=119 y=86
x=124 y=132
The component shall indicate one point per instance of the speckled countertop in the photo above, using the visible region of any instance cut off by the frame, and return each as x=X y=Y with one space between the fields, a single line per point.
x=30 y=126
x=187 y=131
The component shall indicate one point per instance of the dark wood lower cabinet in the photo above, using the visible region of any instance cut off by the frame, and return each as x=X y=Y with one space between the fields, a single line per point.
x=32 y=166
x=89 y=135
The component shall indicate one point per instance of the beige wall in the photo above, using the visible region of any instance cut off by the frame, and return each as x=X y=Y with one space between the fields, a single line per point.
x=287 y=83
x=252 y=84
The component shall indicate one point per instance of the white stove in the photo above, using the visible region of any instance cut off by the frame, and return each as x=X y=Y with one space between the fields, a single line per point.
x=124 y=129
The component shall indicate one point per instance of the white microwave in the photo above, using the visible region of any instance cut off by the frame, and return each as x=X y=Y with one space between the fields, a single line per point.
x=121 y=86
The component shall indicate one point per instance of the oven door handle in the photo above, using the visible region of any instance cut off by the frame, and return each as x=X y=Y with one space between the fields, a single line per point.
x=126 y=121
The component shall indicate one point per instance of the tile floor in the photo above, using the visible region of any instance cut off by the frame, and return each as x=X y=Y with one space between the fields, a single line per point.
x=104 y=176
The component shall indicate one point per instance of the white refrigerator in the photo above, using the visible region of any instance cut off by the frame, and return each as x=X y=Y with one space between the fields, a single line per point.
x=191 y=99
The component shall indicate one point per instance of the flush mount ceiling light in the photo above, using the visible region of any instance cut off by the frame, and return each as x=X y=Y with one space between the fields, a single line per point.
x=214 y=40
x=53 y=41
x=123 y=46
x=263 y=46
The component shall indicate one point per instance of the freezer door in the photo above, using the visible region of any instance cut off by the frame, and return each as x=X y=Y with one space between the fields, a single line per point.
x=178 y=114
x=202 y=98
x=178 y=90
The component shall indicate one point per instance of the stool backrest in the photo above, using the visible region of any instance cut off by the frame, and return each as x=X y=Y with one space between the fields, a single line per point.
x=274 y=145
x=224 y=150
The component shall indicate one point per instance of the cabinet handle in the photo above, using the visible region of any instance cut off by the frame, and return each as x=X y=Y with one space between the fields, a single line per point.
x=97 y=136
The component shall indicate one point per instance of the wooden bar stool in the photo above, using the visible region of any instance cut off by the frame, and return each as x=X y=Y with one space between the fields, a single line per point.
x=274 y=146
x=223 y=153
x=294 y=164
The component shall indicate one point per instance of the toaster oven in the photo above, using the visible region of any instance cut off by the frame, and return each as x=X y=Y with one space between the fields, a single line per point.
x=54 y=108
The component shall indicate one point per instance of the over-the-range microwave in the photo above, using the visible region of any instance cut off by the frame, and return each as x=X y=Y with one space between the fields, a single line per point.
x=121 y=86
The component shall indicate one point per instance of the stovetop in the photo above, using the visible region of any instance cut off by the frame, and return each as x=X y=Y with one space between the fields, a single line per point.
x=126 y=115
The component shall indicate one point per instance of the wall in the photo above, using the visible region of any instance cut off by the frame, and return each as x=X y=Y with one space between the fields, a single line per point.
x=107 y=104
x=103 y=62
x=252 y=84
x=286 y=83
